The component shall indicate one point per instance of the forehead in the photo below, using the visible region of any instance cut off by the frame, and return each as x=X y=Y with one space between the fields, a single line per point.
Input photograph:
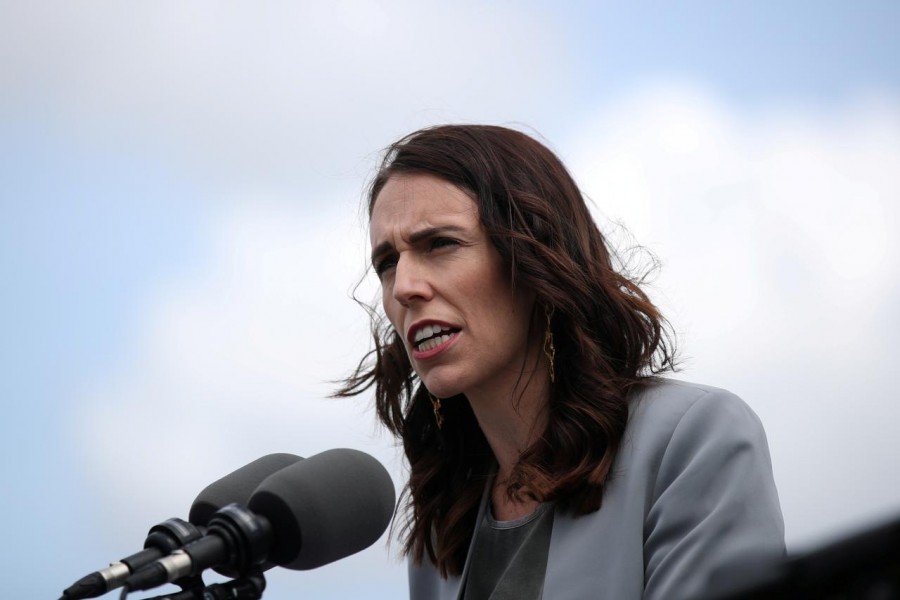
x=408 y=203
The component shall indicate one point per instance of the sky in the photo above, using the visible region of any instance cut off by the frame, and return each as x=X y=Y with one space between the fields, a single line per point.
x=181 y=235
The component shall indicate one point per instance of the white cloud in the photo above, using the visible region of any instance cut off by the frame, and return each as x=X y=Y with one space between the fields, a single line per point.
x=781 y=270
x=287 y=92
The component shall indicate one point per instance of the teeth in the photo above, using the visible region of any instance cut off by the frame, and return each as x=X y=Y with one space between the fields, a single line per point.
x=428 y=331
x=433 y=342
x=423 y=333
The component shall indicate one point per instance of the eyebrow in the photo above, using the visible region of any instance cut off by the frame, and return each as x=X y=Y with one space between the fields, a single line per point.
x=415 y=238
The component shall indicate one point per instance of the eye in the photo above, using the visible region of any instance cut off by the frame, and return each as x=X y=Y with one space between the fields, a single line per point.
x=385 y=264
x=442 y=242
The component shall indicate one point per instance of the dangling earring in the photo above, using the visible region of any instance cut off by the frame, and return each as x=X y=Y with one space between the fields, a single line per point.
x=549 y=348
x=436 y=406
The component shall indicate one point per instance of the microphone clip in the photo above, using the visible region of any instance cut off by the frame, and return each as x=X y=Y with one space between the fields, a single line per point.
x=236 y=543
x=247 y=587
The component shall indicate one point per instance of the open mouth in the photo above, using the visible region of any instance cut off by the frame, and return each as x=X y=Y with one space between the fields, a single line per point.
x=432 y=336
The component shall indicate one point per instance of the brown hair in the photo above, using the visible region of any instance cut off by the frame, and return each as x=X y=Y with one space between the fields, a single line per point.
x=609 y=338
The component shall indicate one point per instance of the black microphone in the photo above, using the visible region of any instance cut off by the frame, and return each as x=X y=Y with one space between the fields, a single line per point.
x=306 y=515
x=237 y=486
x=173 y=534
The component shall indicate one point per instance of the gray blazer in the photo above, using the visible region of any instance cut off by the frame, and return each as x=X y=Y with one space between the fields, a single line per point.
x=691 y=501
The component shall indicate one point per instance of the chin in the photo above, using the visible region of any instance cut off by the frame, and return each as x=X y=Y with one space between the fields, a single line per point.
x=441 y=386
x=443 y=391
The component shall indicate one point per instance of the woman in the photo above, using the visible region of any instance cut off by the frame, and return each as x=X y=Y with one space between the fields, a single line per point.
x=520 y=370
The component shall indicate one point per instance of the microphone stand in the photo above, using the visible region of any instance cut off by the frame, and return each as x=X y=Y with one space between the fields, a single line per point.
x=249 y=586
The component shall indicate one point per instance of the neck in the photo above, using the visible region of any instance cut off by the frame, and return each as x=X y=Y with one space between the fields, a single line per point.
x=511 y=421
x=511 y=424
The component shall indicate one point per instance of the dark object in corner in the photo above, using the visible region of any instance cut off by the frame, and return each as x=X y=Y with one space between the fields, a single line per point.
x=861 y=566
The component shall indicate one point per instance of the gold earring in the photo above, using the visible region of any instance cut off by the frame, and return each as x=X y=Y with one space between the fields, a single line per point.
x=549 y=348
x=436 y=406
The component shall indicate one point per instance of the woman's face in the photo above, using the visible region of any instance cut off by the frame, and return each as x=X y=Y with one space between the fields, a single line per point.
x=446 y=291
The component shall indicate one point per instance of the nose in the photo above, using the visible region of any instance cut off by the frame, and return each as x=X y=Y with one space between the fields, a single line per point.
x=411 y=282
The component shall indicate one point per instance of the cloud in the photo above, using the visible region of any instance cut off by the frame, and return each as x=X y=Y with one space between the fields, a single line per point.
x=777 y=233
x=260 y=332
x=287 y=93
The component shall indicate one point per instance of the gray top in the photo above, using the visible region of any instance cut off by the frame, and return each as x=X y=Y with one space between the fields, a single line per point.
x=690 y=503
x=509 y=558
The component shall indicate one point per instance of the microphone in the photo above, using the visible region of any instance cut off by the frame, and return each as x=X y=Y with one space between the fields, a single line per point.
x=306 y=515
x=237 y=486
x=170 y=535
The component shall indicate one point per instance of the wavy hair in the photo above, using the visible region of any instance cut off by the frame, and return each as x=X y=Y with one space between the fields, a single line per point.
x=609 y=338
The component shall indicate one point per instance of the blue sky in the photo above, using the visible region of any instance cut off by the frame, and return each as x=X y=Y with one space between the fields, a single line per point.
x=180 y=231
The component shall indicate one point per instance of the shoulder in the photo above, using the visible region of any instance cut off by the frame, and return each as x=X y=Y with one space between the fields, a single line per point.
x=677 y=428
x=661 y=397
x=674 y=425
x=711 y=500
x=666 y=408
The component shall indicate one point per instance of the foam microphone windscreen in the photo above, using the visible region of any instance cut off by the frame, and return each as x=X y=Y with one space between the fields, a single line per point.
x=237 y=486
x=326 y=507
